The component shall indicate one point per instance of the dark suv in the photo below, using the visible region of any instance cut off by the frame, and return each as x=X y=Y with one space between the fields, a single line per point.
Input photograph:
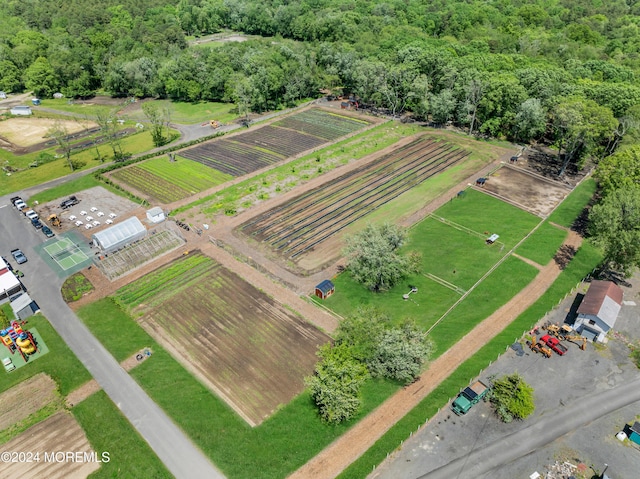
x=37 y=224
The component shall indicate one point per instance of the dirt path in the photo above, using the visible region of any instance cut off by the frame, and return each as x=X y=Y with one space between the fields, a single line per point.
x=350 y=446
x=87 y=389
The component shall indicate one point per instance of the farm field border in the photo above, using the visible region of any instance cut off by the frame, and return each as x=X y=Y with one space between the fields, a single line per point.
x=246 y=347
x=314 y=216
x=246 y=152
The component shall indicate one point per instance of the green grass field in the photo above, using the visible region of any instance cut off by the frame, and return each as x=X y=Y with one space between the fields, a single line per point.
x=572 y=206
x=543 y=244
x=170 y=181
x=188 y=113
x=109 y=431
x=584 y=261
x=456 y=253
x=133 y=144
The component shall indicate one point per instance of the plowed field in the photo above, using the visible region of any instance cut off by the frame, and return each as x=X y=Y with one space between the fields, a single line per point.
x=293 y=229
x=250 y=350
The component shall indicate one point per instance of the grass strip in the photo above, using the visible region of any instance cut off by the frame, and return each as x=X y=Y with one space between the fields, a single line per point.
x=109 y=431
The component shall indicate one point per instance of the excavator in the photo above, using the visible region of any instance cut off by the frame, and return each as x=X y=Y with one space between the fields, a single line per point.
x=55 y=221
x=577 y=339
x=540 y=348
x=565 y=333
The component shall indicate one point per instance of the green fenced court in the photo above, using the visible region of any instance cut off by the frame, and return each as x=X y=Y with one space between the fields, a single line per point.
x=66 y=254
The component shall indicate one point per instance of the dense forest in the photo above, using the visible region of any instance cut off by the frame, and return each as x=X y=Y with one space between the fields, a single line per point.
x=561 y=69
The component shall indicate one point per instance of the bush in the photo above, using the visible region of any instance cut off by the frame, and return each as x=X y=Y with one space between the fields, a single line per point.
x=512 y=398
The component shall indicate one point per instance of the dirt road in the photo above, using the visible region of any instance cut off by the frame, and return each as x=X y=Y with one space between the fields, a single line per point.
x=350 y=446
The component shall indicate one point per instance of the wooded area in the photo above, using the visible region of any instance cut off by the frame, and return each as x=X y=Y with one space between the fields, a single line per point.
x=503 y=68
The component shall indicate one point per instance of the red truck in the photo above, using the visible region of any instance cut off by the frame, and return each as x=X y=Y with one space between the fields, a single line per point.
x=554 y=344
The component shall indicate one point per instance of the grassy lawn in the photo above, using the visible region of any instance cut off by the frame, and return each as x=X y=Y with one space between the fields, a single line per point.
x=70 y=188
x=109 y=431
x=60 y=363
x=81 y=109
x=133 y=144
x=485 y=214
x=543 y=244
x=185 y=113
x=582 y=264
x=272 y=450
x=425 y=307
x=573 y=205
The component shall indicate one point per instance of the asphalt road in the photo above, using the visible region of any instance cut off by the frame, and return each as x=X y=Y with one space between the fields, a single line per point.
x=541 y=432
x=173 y=447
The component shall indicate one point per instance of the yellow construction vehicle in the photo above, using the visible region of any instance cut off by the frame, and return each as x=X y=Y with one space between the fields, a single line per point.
x=577 y=339
x=537 y=347
x=55 y=221
x=214 y=124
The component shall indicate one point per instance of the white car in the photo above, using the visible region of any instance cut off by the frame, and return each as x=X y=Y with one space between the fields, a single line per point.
x=20 y=205
x=32 y=215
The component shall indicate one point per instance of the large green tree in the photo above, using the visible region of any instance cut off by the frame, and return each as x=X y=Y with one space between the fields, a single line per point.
x=40 y=78
x=373 y=258
x=512 y=397
x=619 y=171
x=335 y=386
x=614 y=225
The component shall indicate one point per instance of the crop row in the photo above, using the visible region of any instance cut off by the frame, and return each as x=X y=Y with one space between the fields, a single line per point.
x=231 y=157
x=280 y=140
x=189 y=175
x=321 y=124
x=168 y=278
x=150 y=184
x=313 y=217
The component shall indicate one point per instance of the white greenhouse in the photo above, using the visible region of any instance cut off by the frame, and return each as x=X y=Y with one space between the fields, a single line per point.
x=120 y=235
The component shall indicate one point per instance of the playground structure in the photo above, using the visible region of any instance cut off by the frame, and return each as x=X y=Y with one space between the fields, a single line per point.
x=15 y=339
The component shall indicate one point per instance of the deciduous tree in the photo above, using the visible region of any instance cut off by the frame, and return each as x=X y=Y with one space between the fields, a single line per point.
x=335 y=386
x=614 y=225
x=373 y=257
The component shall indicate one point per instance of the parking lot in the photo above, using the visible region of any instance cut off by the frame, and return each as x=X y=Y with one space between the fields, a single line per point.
x=559 y=382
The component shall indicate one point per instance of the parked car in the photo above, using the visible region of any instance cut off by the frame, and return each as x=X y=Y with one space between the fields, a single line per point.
x=68 y=203
x=47 y=232
x=31 y=214
x=37 y=224
x=18 y=256
x=18 y=203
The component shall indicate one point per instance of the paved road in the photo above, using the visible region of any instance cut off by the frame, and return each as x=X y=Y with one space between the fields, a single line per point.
x=175 y=450
x=538 y=434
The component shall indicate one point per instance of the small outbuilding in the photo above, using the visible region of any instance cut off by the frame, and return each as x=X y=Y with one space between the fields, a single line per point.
x=120 y=235
x=23 y=307
x=599 y=310
x=3 y=95
x=58 y=95
x=21 y=110
x=9 y=284
x=156 y=215
x=325 y=289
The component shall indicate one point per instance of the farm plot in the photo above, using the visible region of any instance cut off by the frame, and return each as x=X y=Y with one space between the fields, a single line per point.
x=328 y=126
x=526 y=190
x=168 y=181
x=56 y=435
x=295 y=228
x=124 y=261
x=248 y=348
x=255 y=149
